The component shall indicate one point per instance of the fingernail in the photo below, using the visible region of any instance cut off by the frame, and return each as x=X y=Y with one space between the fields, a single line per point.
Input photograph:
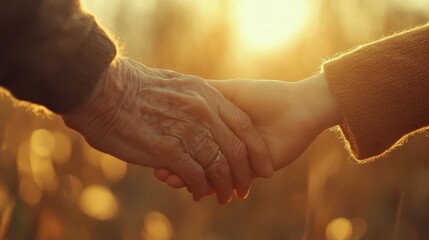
x=242 y=195
x=229 y=199
x=226 y=201
x=237 y=194
x=245 y=195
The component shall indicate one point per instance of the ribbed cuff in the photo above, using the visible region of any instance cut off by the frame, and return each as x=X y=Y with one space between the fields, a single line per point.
x=382 y=91
x=84 y=70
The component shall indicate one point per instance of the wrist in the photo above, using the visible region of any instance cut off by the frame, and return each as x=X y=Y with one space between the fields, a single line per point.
x=321 y=101
x=104 y=97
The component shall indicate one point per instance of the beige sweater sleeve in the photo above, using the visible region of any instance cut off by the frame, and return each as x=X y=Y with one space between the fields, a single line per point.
x=52 y=53
x=382 y=89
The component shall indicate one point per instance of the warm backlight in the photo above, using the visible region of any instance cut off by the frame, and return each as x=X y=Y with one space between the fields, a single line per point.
x=157 y=227
x=268 y=24
x=98 y=202
x=339 y=229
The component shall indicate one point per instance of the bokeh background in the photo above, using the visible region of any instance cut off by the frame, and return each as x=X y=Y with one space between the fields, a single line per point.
x=54 y=186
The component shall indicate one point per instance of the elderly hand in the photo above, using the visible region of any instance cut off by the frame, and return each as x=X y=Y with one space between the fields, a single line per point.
x=163 y=119
x=289 y=116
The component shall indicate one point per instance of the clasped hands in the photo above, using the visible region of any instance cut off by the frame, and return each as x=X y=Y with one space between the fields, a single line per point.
x=207 y=136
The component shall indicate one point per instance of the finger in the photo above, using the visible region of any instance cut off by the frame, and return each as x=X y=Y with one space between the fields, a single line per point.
x=199 y=145
x=174 y=181
x=243 y=128
x=162 y=173
x=220 y=178
x=192 y=174
x=210 y=192
x=168 y=177
x=235 y=152
x=206 y=153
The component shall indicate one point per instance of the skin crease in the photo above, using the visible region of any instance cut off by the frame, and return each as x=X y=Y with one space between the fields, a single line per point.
x=289 y=116
x=163 y=119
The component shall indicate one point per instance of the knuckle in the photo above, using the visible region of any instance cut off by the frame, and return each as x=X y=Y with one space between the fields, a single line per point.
x=168 y=145
x=243 y=123
x=202 y=142
x=201 y=151
x=239 y=154
x=199 y=102
x=195 y=104
x=192 y=173
x=170 y=74
x=219 y=170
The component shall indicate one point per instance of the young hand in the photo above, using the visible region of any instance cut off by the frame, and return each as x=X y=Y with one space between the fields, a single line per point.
x=289 y=116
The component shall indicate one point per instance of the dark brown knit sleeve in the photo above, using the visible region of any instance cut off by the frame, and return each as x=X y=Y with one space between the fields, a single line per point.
x=52 y=53
x=382 y=89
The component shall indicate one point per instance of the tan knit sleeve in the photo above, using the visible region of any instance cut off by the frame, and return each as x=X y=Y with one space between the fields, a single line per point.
x=52 y=53
x=382 y=89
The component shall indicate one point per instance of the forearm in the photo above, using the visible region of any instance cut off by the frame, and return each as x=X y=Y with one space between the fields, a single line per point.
x=52 y=53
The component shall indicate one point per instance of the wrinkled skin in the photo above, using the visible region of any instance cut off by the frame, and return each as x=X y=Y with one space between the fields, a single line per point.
x=289 y=116
x=163 y=119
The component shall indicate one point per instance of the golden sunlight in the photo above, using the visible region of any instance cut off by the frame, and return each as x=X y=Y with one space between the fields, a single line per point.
x=113 y=168
x=29 y=191
x=339 y=229
x=265 y=25
x=157 y=227
x=42 y=142
x=98 y=202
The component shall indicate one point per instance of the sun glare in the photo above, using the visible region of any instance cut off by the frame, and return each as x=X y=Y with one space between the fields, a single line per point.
x=268 y=24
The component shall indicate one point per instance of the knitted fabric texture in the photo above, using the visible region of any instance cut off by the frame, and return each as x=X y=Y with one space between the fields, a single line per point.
x=382 y=89
x=53 y=53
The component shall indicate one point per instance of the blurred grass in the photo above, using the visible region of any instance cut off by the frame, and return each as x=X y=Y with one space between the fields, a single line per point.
x=320 y=196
